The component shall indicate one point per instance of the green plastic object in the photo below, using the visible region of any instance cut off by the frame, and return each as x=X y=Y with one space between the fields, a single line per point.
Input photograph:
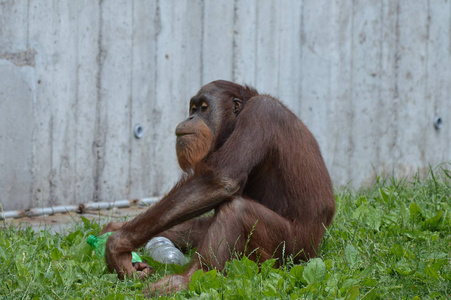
x=99 y=244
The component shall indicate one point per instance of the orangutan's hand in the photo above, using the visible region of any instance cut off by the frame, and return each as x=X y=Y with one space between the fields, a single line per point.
x=119 y=258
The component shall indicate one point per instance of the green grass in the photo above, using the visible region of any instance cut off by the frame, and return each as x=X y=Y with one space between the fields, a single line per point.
x=392 y=241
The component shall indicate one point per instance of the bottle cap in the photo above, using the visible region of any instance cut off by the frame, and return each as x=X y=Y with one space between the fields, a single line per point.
x=92 y=239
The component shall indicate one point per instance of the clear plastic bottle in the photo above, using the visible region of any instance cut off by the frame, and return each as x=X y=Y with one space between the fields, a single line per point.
x=163 y=250
x=99 y=245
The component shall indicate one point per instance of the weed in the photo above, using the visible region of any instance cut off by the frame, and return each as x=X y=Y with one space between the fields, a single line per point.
x=389 y=241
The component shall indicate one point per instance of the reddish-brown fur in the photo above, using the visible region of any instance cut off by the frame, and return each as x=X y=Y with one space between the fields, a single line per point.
x=257 y=165
x=193 y=144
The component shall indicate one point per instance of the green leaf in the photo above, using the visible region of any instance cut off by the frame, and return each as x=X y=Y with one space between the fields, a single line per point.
x=431 y=272
x=56 y=254
x=195 y=279
x=297 y=272
x=315 y=271
x=360 y=212
x=434 y=222
x=244 y=267
x=58 y=279
x=353 y=293
x=270 y=290
x=385 y=195
x=115 y=296
x=369 y=282
x=415 y=212
x=4 y=243
x=361 y=200
x=404 y=212
x=74 y=237
x=202 y=282
x=281 y=284
x=328 y=263
x=368 y=215
x=352 y=255
x=403 y=268
x=371 y=295
x=110 y=277
x=373 y=218
x=397 y=250
x=21 y=268
x=267 y=267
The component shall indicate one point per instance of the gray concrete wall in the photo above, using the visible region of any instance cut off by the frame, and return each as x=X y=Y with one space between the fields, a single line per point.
x=367 y=77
